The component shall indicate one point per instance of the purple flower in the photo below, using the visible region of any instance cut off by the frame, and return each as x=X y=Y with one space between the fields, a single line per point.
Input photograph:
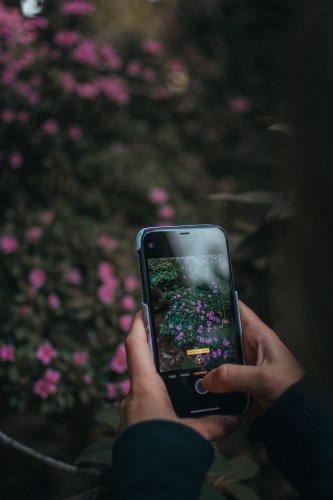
x=226 y=342
x=190 y=327
x=202 y=318
x=184 y=304
x=225 y=355
x=178 y=327
x=209 y=296
x=171 y=325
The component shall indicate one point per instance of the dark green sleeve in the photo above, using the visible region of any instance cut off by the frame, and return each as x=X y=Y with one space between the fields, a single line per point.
x=297 y=431
x=159 y=460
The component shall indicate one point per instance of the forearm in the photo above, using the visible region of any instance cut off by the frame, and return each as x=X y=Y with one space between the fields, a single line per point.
x=298 y=435
x=160 y=460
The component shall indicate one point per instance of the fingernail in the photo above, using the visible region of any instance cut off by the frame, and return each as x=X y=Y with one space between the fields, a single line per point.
x=233 y=423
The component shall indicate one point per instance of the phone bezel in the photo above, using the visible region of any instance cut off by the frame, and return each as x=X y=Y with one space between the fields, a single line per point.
x=146 y=290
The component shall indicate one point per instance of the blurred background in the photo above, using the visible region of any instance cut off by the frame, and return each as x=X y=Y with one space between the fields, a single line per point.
x=115 y=116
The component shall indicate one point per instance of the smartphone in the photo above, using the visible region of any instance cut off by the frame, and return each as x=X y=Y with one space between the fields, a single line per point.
x=191 y=313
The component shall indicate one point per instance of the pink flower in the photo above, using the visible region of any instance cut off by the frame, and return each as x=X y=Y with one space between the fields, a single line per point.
x=49 y=127
x=105 y=271
x=131 y=284
x=87 y=379
x=110 y=56
x=240 y=105
x=8 y=244
x=85 y=53
x=158 y=196
x=22 y=116
x=53 y=301
x=8 y=116
x=104 y=241
x=15 y=159
x=166 y=212
x=125 y=322
x=31 y=291
x=37 y=277
x=87 y=90
x=115 y=90
x=149 y=75
x=80 y=357
x=43 y=388
x=133 y=68
x=33 y=234
x=124 y=387
x=226 y=342
x=47 y=217
x=117 y=147
x=45 y=353
x=52 y=376
x=152 y=47
x=36 y=81
x=25 y=310
x=77 y=8
x=111 y=390
x=7 y=353
x=176 y=66
x=73 y=276
x=128 y=303
x=74 y=132
x=105 y=294
x=39 y=22
x=67 y=81
x=119 y=361
x=66 y=39
x=161 y=93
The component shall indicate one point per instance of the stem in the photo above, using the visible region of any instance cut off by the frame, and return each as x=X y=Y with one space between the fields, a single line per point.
x=92 y=474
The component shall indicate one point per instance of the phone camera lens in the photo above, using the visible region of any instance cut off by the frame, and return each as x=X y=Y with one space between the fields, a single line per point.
x=150 y=245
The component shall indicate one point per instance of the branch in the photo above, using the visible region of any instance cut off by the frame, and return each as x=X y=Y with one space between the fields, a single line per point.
x=94 y=493
x=92 y=474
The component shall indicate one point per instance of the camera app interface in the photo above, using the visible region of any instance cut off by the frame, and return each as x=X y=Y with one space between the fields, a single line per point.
x=194 y=321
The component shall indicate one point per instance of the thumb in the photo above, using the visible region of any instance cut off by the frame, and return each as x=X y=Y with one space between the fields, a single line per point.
x=229 y=377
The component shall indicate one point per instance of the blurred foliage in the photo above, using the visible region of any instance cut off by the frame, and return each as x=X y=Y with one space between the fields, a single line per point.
x=85 y=135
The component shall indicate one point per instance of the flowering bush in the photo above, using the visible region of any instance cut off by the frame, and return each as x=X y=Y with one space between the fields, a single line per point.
x=68 y=274
x=87 y=138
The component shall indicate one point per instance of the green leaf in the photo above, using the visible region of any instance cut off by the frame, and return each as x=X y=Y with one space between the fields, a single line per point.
x=282 y=127
x=98 y=453
x=283 y=209
x=109 y=416
x=242 y=468
x=241 y=492
x=208 y=493
x=219 y=467
x=251 y=197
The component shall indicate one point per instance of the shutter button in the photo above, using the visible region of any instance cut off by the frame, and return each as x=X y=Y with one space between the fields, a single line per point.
x=199 y=387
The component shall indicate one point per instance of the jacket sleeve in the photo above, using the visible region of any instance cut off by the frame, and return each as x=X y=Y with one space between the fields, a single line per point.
x=159 y=460
x=297 y=431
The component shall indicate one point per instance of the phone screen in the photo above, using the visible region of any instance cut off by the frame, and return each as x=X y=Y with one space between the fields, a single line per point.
x=191 y=297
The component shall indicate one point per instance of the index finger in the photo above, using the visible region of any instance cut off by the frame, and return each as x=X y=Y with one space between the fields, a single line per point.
x=139 y=357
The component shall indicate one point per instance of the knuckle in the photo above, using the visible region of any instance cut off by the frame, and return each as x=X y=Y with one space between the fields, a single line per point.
x=224 y=375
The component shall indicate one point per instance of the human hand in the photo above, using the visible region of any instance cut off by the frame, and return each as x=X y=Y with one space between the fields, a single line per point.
x=148 y=398
x=271 y=367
